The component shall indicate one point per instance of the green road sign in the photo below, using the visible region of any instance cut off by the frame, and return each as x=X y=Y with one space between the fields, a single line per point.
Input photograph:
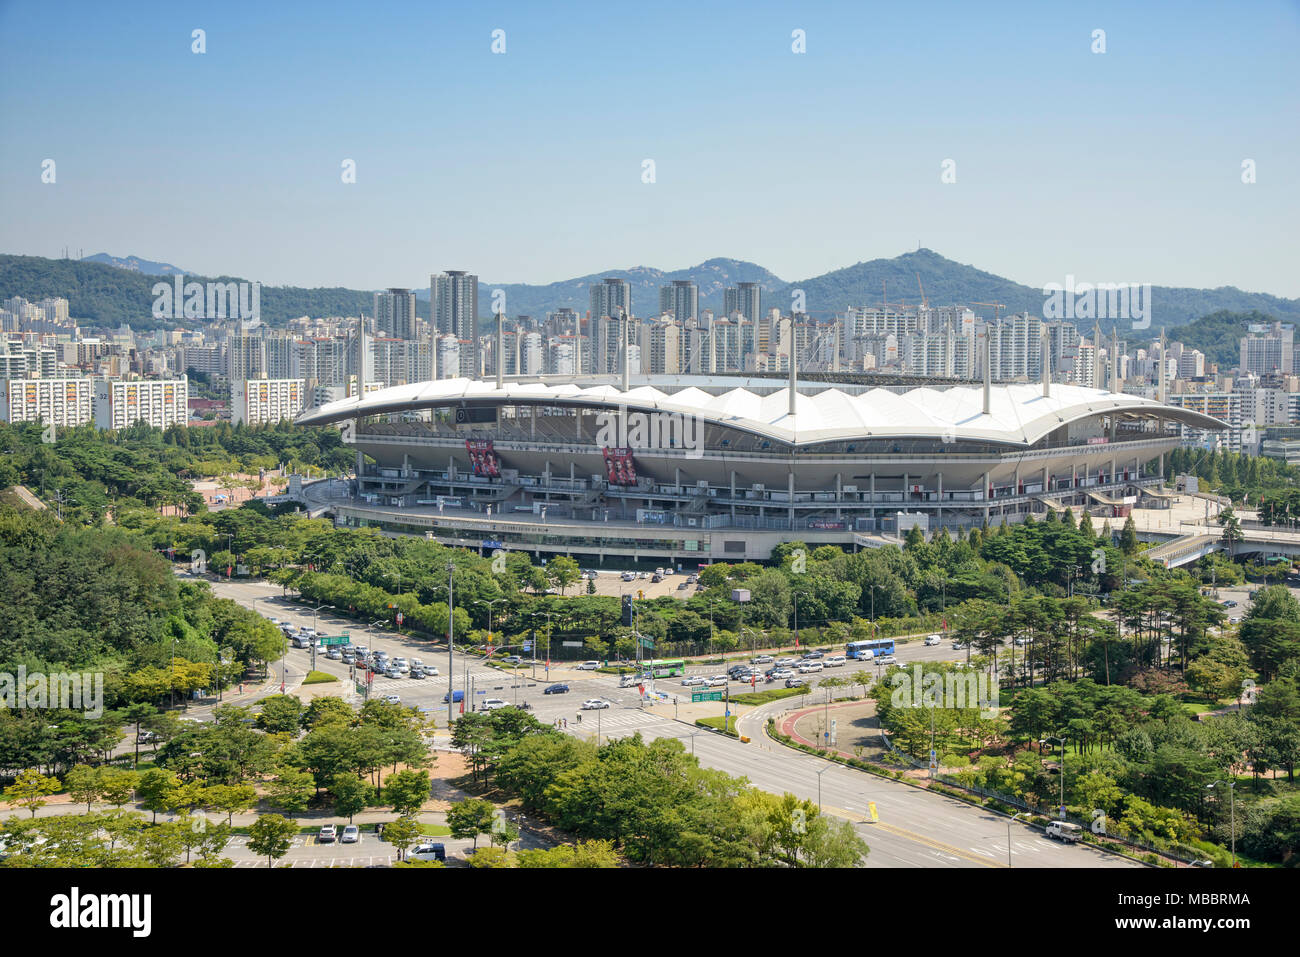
x=698 y=696
x=334 y=640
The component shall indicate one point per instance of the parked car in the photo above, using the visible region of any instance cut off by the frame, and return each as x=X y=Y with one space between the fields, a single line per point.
x=932 y=640
x=492 y=704
x=589 y=666
x=594 y=704
x=328 y=834
x=351 y=834
x=556 y=689
x=794 y=682
x=427 y=852
x=693 y=680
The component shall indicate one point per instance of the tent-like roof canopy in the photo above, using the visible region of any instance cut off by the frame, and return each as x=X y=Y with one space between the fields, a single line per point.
x=1019 y=414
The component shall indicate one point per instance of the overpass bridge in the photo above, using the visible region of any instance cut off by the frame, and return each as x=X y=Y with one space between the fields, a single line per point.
x=1192 y=546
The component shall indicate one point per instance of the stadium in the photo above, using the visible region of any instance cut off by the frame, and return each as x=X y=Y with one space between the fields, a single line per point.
x=693 y=469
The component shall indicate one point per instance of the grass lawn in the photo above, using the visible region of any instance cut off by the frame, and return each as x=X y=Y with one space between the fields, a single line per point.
x=435 y=830
x=319 y=678
x=763 y=697
x=717 y=724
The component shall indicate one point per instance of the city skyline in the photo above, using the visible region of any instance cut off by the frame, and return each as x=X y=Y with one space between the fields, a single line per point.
x=1116 y=166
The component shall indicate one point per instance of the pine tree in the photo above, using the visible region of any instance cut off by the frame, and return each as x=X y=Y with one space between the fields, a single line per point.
x=1085 y=526
x=1128 y=538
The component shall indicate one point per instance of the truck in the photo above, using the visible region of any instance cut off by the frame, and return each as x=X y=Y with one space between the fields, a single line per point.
x=1064 y=831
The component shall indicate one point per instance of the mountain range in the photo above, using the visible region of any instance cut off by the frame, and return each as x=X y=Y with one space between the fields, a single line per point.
x=106 y=291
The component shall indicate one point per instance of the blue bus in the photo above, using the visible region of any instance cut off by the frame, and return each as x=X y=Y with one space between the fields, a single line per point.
x=871 y=648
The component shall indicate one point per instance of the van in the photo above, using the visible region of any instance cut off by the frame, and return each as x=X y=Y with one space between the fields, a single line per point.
x=1064 y=831
x=810 y=667
x=834 y=661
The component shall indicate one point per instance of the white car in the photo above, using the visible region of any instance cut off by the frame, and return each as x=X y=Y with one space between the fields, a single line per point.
x=391 y=698
x=589 y=666
x=932 y=640
x=491 y=704
x=594 y=704
x=694 y=680
x=763 y=660
x=781 y=674
x=835 y=661
x=810 y=667
x=719 y=681
x=783 y=662
x=886 y=660
x=402 y=665
x=958 y=645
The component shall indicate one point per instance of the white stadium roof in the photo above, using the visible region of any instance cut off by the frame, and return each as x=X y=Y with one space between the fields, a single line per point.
x=1019 y=414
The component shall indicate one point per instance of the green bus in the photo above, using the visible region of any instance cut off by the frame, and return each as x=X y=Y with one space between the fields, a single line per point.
x=668 y=667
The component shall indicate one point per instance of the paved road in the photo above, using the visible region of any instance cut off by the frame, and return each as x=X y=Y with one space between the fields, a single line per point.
x=916 y=828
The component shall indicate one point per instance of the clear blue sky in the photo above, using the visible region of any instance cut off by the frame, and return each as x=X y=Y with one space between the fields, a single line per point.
x=526 y=167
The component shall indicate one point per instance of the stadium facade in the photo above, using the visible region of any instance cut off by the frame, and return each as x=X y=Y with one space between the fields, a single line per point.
x=693 y=469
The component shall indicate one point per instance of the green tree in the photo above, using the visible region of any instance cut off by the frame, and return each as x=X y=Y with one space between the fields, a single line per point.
x=352 y=795
x=83 y=785
x=30 y=789
x=469 y=818
x=402 y=833
x=407 y=791
x=271 y=836
x=291 y=790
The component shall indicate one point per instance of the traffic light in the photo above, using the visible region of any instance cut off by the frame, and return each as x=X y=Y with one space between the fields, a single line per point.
x=627 y=610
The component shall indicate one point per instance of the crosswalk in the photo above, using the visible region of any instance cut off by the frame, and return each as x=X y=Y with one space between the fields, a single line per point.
x=370 y=860
x=618 y=723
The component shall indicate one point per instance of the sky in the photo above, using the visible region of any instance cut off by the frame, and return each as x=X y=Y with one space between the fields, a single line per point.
x=529 y=165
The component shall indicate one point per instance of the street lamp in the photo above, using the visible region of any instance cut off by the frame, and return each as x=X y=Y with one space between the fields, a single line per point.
x=820 y=772
x=1232 y=805
x=451 y=657
x=1052 y=737
x=693 y=735
x=1009 y=823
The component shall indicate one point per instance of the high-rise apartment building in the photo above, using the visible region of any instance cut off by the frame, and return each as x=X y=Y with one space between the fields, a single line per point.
x=611 y=298
x=453 y=298
x=257 y=401
x=681 y=300
x=159 y=403
x=395 y=314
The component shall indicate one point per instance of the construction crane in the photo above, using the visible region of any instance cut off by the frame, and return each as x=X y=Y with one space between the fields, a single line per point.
x=997 y=308
x=925 y=303
x=884 y=299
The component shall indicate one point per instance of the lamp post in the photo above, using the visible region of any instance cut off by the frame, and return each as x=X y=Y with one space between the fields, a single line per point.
x=693 y=735
x=1232 y=805
x=820 y=772
x=451 y=658
x=1009 y=823
x=1052 y=737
